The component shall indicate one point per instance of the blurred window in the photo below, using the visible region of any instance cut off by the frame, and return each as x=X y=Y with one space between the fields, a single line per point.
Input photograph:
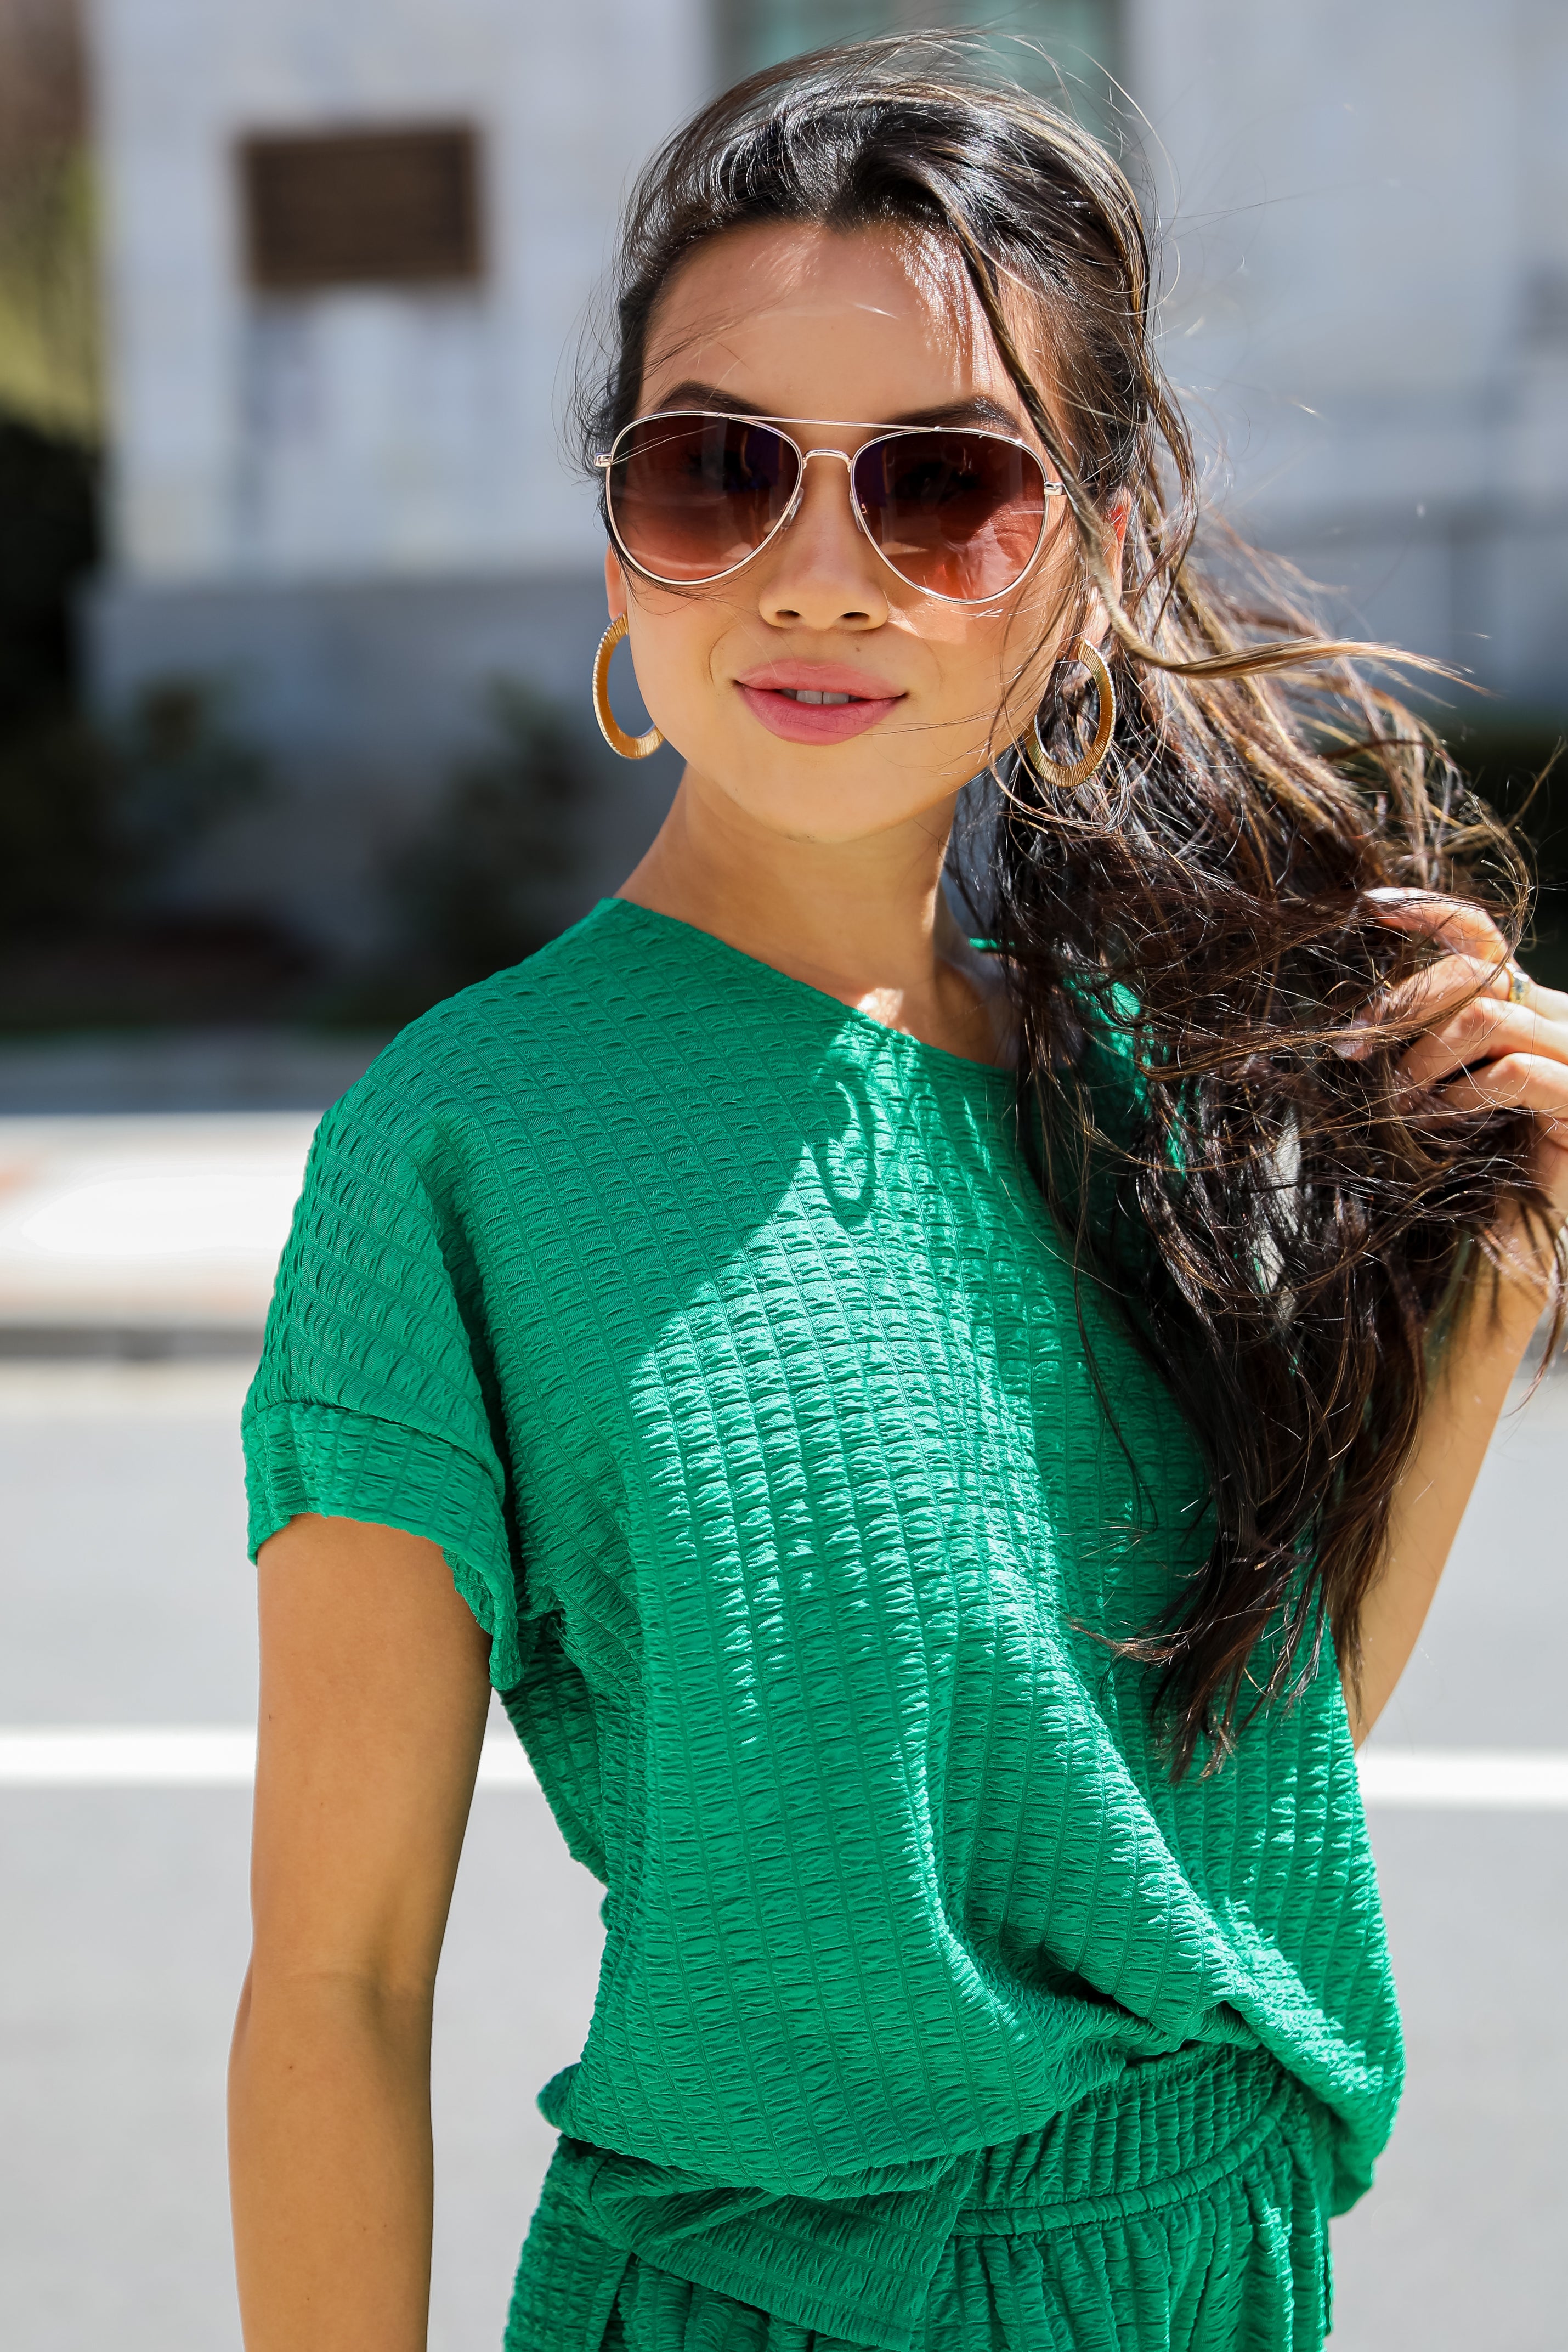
x=375 y=208
x=1079 y=39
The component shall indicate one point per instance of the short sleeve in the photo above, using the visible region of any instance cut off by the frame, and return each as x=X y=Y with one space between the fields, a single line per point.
x=371 y=1399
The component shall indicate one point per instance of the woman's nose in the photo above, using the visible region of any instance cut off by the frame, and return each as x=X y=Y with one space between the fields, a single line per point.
x=824 y=571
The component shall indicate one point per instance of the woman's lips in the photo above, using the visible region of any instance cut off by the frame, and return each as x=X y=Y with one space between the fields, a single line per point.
x=776 y=703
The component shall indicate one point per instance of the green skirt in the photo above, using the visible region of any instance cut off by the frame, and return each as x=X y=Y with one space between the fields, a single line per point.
x=1182 y=2207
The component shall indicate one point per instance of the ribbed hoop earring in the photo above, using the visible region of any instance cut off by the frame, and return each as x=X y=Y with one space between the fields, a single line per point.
x=630 y=747
x=1068 y=779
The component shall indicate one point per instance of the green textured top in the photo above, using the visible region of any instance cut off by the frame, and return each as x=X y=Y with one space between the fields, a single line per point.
x=718 y=1337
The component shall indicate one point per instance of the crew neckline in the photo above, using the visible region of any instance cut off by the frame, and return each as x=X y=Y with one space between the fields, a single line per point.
x=993 y=1074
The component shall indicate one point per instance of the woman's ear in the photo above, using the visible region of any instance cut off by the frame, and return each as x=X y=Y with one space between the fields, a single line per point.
x=1117 y=514
x=615 y=583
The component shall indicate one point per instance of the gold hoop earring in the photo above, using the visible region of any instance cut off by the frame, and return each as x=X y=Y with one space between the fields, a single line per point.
x=1068 y=779
x=630 y=747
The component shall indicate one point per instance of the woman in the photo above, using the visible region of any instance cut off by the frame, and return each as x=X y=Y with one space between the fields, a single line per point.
x=941 y=1446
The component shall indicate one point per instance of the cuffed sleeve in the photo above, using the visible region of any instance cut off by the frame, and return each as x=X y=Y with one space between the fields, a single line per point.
x=372 y=1398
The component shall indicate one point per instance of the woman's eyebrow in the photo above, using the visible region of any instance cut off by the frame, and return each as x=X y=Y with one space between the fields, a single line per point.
x=979 y=408
x=692 y=394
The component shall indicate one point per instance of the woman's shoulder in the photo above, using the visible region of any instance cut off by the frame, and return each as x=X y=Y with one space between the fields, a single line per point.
x=526 y=1042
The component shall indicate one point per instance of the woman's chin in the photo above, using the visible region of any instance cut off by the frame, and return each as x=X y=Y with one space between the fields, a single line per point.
x=834 y=815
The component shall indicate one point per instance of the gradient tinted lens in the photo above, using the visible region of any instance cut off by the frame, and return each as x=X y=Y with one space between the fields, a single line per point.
x=691 y=497
x=956 y=514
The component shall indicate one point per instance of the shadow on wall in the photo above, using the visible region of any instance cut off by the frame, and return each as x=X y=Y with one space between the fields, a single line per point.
x=111 y=834
x=479 y=886
x=93 y=818
x=378 y=704
x=494 y=870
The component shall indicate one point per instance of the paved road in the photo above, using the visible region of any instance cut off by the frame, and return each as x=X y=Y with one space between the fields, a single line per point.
x=124 y=1599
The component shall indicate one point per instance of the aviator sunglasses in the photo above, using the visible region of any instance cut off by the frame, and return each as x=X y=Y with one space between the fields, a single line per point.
x=691 y=495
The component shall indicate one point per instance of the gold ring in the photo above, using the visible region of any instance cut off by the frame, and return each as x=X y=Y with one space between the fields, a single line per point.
x=1518 y=984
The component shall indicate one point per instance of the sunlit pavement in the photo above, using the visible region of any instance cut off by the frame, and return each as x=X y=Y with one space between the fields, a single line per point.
x=126 y=1612
x=160 y=1226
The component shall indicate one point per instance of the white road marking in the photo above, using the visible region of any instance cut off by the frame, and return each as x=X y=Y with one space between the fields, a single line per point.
x=182 y=1756
x=223 y=1756
x=227 y=1209
x=1478 y=1778
x=64 y=1393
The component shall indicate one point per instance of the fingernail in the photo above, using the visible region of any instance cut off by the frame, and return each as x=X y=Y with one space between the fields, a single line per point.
x=1389 y=894
x=1352 y=1045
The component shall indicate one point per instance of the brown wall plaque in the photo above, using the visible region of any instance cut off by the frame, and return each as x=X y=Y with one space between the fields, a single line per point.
x=383 y=208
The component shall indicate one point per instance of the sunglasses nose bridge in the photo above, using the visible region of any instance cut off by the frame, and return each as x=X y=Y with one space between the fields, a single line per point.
x=843 y=458
x=847 y=461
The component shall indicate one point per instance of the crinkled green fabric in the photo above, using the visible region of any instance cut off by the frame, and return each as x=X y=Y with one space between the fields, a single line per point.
x=719 y=1339
x=1180 y=2208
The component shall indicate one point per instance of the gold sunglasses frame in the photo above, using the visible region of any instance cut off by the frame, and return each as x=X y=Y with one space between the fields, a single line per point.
x=605 y=461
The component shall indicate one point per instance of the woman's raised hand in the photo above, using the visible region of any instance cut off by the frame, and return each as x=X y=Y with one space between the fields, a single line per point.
x=1497 y=1037
x=1486 y=1038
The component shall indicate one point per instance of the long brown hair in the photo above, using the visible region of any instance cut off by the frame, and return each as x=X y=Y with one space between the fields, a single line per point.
x=1284 y=1228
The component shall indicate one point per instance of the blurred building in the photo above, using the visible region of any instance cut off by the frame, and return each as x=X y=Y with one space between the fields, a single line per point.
x=349 y=249
x=1370 y=209
x=349 y=254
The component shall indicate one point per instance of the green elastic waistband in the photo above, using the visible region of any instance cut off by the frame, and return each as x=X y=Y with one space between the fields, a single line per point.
x=1159 y=2133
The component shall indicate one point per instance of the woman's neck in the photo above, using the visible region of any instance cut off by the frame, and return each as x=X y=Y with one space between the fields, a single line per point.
x=865 y=920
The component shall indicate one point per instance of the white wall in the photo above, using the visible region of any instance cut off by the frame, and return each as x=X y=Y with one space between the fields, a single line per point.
x=1370 y=203
x=371 y=432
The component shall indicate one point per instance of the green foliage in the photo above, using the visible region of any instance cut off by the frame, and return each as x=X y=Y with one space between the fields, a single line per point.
x=178 y=766
x=51 y=794
x=92 y=817
x=50 y=359
x=480 y=888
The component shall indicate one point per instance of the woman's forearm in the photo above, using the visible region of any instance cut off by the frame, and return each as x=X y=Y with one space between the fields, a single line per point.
x=330 y=2164
x=374 y=1686
x=1466 y=1399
